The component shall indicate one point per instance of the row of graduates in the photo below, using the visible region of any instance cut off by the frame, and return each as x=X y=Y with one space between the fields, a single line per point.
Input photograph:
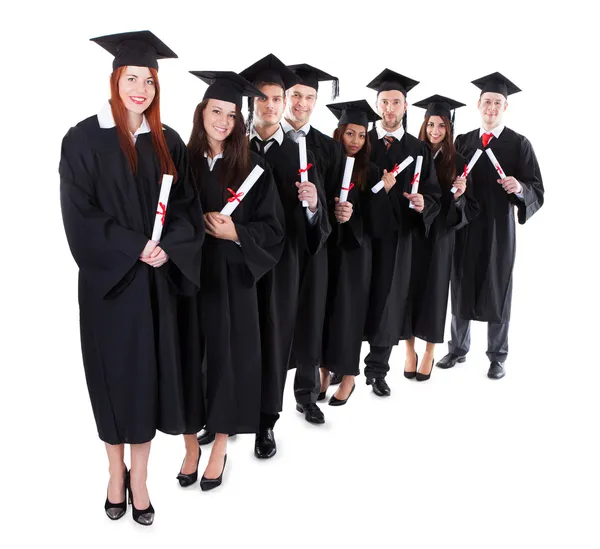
x=199 y=330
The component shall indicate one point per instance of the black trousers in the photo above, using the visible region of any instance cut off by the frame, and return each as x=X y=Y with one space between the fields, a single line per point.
x=460 y=341
x=307 y=384
x=377 y=361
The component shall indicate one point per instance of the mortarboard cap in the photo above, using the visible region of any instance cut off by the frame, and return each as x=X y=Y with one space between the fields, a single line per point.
x=311 y=76
x=227 y=86
x=438 y=105
x=270 y=69
x=354 y=112
x=389 y=80
x=496 y=83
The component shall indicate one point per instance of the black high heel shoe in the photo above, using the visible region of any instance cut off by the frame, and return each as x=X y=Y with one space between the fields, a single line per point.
x=186 y=480
x=114 y=511
x=210 y=483
x=145 y=517
x=425 y=377
x=338 y=402
x=411 y=375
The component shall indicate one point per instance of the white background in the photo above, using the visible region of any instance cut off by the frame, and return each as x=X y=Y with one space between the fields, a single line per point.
x=458 y=462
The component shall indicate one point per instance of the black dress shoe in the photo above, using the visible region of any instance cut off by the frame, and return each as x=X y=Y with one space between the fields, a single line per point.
x=210 y=483
x=114 y=511
x=496 y=370
x=336 y=379
x=206 y=437
x=425 y=377
x=312 y=413
x=450 y=360
x=264 y=444
x=186 y=480
x=412 y=375
x=380 y=386
x=337 y=402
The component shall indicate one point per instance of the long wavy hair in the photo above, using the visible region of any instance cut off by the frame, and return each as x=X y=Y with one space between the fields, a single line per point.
x=236 y=149
x=152 y=114
x=446 y=168
x=359 y=172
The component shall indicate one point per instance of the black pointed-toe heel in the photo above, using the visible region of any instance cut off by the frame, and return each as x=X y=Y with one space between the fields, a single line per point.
x=425 y=377
x=210 y=483
x=412 y=375
x=145 y=517
x=186 y=480
x=114 y=511
x=337 y=402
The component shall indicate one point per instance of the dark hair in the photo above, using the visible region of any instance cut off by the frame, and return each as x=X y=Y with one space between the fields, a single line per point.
x=258 y=85
x=359 y=172
x=236 y=150
x=446 y=169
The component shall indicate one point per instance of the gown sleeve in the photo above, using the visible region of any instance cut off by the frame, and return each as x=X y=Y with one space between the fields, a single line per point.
x=104 y=250
x=529 y=175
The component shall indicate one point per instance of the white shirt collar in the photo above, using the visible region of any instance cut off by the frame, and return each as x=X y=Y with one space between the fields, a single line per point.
x=382 y=132
x=212 y=161
x=496 y=131
x=278 y=135
x=287 y=126
x=437 y=152
x=107 y=121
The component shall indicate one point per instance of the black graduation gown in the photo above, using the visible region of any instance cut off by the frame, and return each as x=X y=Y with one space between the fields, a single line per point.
x=485 y=249
x=432 y=259
x=308 y=335
x=228 y=298
x=350 y=263
x=389 y=307
x=128 y=310
x=279 y=289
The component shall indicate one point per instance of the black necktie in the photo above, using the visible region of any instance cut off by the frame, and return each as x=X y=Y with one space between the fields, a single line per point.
x=262 y=144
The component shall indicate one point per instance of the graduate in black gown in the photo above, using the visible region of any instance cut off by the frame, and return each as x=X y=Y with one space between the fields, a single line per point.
x=111 y=169
x=388 y=318
x=358 y=219
x=484 y=253
x=240 y=249
x=308 y=337
x=306 y=232
x=432 y=254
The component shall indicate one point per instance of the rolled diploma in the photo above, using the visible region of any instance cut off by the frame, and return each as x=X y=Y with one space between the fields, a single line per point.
x=346 y=180
x=495 y=162
x=303 y=173
x=405 y=163
x=415 y=185
x=161 y=207
x=243 y=190
x=475 y=158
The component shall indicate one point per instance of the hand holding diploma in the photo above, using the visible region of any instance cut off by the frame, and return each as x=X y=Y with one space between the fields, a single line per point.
x=237 y=196
x=511 y=185
x=307 y=193
x=346 y=183
x=397 y=169
x=389 y=180
x=415 y=202
x=220 y=226
x=304 y=166
x=343 y=211
x=460 y=185
x=153 y=254
x=468 y=168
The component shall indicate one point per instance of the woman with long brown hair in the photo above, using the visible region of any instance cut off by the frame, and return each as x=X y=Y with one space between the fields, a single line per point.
x=240 y=249
x=354 y=223
x=111 y=170
x=432 y=253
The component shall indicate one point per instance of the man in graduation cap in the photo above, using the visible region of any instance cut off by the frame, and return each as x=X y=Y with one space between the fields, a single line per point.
x=484 y=255
x=307 y=229
x=308 y=338
x=388 y=320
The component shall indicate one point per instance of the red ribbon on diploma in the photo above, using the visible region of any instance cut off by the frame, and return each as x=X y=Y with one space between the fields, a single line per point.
x=396 y=166
x=465 y=171
x=348 y=188
x=236 y=196
x=414 y=179
x=308 y=167
x=498 y=169
x=162 y=212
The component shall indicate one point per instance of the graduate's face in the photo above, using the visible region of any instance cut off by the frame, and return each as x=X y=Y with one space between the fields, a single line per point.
x=300 y=103
x=492 y=106
x=436 y=130
x=136 y=88
x=354 y=138
x=391 y=106
x=219 y=119
x=268 y=112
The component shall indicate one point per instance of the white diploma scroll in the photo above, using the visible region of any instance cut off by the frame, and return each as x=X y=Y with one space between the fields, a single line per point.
x=416 y=179
x=244 y=189
x=469 y=167
x=398 y=168
x=161 y=207
x=495 y=162
x=346 y=184
x=303 y=162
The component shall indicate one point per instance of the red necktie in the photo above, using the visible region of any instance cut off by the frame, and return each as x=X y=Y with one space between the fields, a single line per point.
x=486 y=137
x=388 y=139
